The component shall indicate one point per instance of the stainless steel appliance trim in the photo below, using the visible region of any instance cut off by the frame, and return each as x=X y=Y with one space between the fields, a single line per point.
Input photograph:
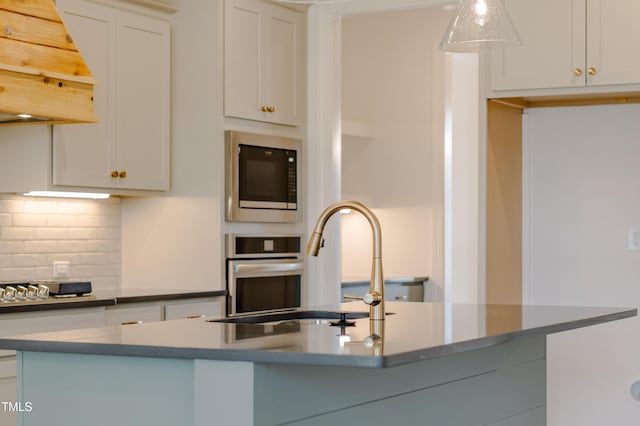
x=257 y=268
x=264 y=205
x=233 y=211
x=246 y=269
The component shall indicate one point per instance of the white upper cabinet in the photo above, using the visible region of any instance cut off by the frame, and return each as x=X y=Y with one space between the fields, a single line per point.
x=264 y=62
x=570 y=43
x=613 y=50
x=129 y=55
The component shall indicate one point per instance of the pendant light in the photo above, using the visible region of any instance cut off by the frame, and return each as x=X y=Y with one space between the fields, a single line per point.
x=480 y=25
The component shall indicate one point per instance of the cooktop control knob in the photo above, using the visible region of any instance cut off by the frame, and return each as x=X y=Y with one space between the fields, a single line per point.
x=21 y=292
x=10 y=294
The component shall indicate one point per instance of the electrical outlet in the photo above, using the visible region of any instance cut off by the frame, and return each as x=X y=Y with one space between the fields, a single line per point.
x=633 y=239
x=61 y=269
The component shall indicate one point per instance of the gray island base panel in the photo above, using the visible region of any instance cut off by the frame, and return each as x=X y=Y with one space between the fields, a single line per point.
x=432 y=364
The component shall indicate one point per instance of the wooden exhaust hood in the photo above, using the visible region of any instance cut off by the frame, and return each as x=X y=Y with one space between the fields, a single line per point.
x=43 y=77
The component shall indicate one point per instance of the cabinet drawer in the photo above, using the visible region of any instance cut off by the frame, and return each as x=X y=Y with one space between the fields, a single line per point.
x=193 y=309
x=133 y=314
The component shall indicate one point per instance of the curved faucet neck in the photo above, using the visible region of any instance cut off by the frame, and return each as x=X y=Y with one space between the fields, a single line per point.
x=377 y=280
x=359 y=207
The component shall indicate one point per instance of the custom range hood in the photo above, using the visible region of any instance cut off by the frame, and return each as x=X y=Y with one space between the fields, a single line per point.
x=43 y=77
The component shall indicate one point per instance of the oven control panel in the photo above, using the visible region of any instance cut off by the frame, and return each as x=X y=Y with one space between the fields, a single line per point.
x=244 y=246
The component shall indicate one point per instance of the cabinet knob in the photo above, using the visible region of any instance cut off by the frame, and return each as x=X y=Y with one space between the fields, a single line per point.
x=264 y=108
x=272 y=109
x=578 y=72
x=592 y=71
x=123 y=174
x=114 y=174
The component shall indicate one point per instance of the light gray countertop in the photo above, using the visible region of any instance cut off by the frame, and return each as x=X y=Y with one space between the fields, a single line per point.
x=106 y=297
x=415 y=331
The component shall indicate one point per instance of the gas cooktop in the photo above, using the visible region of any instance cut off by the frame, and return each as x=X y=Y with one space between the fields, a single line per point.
x=41 y=290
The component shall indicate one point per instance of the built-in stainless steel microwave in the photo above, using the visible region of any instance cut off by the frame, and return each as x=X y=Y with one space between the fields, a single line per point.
x=262 y=178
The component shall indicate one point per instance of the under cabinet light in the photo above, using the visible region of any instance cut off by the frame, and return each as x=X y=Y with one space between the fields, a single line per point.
x=60 y=194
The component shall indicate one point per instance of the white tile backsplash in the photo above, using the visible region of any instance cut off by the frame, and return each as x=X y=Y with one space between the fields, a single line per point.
x=35 y=232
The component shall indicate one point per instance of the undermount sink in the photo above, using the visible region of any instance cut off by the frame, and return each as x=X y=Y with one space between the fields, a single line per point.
x=293 y=316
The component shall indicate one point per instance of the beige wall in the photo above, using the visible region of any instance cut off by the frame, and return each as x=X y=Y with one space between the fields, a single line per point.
x=392 y=73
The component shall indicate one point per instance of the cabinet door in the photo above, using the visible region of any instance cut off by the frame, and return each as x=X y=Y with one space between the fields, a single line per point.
x=83 y=153
x=612 y=42
x=143 y=105
x=553 y=33
x=129 y=56
x=243 y=74
x=264 y=62
x=284 y=68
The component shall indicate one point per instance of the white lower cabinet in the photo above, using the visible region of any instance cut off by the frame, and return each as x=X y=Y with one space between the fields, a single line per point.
x=134 y=313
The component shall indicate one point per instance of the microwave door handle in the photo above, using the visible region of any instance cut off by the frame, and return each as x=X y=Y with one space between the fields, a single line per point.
x=268 y=267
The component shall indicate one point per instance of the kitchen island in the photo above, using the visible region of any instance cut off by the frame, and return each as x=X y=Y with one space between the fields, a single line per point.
x=426 y=363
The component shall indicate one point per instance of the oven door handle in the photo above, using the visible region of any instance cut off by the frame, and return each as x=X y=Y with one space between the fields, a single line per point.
x=253 y=268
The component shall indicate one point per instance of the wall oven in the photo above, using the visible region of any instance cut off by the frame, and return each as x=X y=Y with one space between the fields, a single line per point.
x=263 y=272
x=262 y=178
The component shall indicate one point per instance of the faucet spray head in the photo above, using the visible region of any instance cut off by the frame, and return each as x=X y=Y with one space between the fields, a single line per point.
x=315 y=242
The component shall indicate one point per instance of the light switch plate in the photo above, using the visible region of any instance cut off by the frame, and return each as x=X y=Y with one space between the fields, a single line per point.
x=61 y=269
x=633 y=239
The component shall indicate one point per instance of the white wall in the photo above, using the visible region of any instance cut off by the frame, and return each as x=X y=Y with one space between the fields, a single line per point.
x=584 y=182
x=392 y=82
x=461 y=175
x=583 y=186
x=175 y=241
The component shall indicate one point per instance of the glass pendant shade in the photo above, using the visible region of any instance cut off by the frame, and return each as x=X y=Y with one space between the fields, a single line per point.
x=480 y=25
